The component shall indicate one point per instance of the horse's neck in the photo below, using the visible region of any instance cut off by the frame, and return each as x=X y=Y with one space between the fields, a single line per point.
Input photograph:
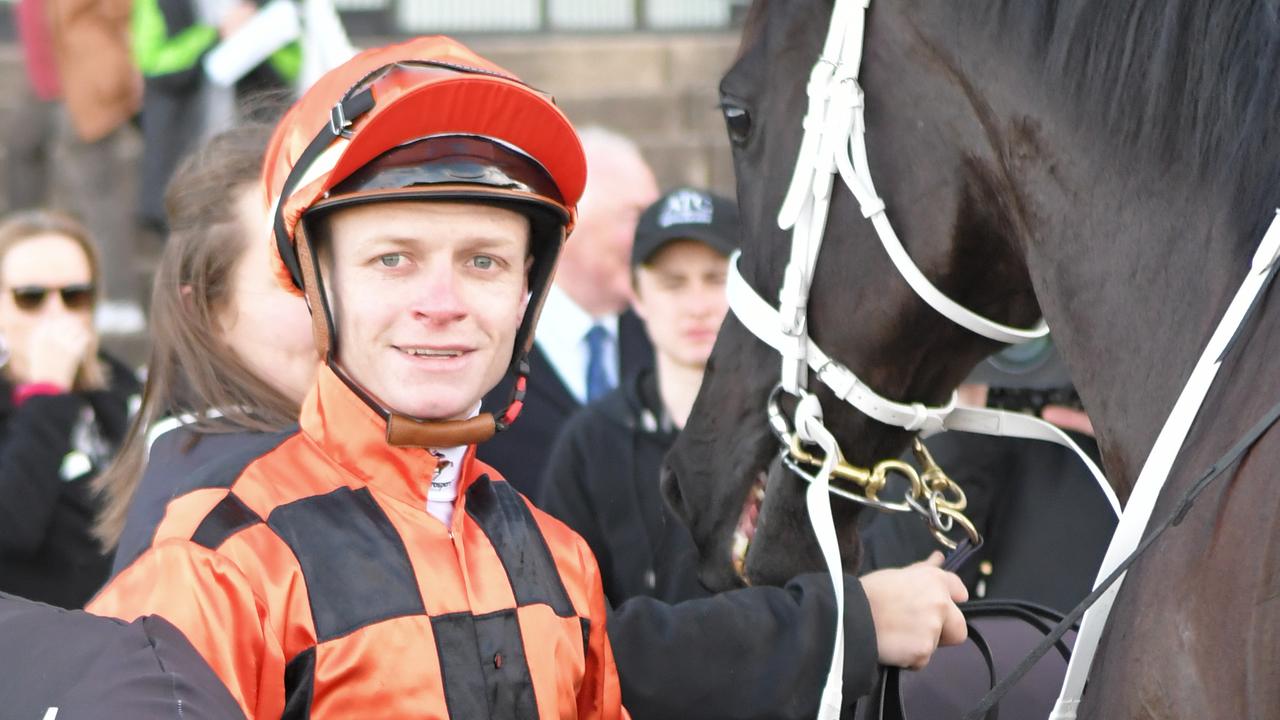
x=1133 y=277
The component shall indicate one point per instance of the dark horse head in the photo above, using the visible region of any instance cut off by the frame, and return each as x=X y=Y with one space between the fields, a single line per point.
x=1106 y=165
x=959 y=213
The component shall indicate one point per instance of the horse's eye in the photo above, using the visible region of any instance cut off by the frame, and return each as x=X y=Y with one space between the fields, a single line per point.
x=738 y=120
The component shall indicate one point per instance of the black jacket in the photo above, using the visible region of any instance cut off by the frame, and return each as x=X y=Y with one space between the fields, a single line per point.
x=748 y=654
x=94 y=668
x=520 y=453
x=759 y=653
x=51 y=448
x=602 y=481
x=181 y=461
x=1045 y=521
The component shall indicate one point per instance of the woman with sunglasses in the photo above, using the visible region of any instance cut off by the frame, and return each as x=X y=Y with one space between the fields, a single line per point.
x=224 y=338
x=64 y=408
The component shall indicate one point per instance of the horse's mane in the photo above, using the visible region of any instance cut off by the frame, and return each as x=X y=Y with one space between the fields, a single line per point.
x=1195 y=83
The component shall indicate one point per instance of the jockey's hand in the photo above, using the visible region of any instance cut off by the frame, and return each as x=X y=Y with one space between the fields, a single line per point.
x=914 y=610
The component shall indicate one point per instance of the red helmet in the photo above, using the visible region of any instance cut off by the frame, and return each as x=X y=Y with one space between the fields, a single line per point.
x=425 y=119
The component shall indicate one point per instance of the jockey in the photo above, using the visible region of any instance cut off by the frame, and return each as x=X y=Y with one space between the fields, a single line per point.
x=368 y=565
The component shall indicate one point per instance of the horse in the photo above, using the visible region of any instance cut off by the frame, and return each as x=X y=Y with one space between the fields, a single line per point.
x=1107 y=166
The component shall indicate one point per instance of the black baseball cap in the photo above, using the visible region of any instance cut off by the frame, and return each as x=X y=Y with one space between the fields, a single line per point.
x=686 y=214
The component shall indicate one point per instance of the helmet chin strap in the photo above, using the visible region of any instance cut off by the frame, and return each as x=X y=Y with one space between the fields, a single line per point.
x=402 y=430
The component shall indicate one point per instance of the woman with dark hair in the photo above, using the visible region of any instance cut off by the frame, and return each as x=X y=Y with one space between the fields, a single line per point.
x=232 y=354
x=63 y=409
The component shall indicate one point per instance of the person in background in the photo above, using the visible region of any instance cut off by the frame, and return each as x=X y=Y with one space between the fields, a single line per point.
x=83 y=89
x=602 y=478
x=181 y=107
x=680 y=651
x=231 y=353
x=590 y=340
x=368 y=565
x=64 y=408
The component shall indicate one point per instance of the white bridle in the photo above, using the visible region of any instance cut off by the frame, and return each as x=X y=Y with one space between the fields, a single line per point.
x=834 y=143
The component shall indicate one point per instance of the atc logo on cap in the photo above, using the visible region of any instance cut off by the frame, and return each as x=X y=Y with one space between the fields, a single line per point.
x=686 y=214
x=686 y=207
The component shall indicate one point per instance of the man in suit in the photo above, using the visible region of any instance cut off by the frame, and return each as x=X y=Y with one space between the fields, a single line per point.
x=588 y=339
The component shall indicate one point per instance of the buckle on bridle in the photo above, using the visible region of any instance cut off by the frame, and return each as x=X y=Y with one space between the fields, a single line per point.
x=930 y=493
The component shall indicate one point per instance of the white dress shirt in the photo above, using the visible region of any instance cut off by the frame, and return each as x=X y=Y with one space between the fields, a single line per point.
x=562 y=337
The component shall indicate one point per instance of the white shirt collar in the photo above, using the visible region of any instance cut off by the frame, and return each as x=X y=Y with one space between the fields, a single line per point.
x=443 y=490
x=444 y=486
x=561 y=335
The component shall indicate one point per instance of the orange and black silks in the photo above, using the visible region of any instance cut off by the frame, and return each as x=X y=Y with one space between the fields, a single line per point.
x=317 y=585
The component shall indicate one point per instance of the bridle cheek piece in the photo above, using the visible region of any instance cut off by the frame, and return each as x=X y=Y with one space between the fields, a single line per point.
x=834 y=144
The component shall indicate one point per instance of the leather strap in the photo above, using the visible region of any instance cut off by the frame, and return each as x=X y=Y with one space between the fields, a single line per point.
x=762 y=320
x=834 y=117
x=834 y=143
x=404 y=431
x=818 y=502
x=313 y=291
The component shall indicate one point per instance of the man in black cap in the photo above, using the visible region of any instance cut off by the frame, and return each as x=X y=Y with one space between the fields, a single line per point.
x=602 y=478
x=681 y=652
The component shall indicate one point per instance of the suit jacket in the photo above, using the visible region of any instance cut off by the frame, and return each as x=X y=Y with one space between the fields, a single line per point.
x=520 y=452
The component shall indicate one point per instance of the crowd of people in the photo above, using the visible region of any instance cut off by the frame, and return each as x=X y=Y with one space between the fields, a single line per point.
x=418 y=347
x=92 y=69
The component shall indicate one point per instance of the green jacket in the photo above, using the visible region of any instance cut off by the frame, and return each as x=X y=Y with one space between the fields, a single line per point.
x=168 y=43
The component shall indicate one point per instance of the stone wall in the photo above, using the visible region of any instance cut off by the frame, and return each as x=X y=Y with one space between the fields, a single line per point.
x=660 y=90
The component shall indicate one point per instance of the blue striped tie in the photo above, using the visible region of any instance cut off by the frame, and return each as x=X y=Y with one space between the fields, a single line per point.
x=598 y=382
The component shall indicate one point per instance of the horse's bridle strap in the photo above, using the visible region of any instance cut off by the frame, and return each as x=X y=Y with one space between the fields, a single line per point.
x=828 y=148
x=763 y=321
x=835 y=143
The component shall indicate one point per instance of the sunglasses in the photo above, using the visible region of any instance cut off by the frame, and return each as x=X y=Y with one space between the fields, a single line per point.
x=74 y=297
